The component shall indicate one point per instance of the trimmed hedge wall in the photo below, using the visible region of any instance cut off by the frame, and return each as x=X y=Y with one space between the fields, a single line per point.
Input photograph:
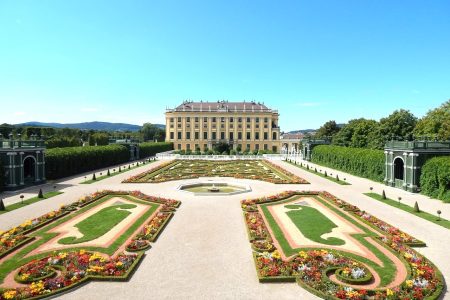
x=62 y=162
x=2 y=176
x=150 y=149
x=361 y=162
x=435 y=178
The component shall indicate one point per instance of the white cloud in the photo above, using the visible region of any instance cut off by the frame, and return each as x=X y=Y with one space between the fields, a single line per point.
x=19 y=113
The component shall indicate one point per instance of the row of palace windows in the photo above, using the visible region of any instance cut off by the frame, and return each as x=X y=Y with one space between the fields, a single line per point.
x=222 y=119
x=222 y=135
x=221 y=126
x=205 y=147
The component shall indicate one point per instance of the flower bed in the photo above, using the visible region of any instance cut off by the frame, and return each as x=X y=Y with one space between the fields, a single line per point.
x=313 y=268
x=185 y=169
x=52 y=273
x=74 y=268
x=138 y=245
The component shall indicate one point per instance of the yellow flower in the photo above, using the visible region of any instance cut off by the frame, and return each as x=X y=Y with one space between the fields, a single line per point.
x=303 y=254
x=63 y=255
x=409 y=283
x=119 y=264
x=9 y=294
x=37 y=287
x=82 y=251
x=407 y=255
x=389 y=292
x=24 y=276
x=276 y=254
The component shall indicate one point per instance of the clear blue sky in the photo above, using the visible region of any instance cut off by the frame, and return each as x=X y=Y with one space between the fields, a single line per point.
x=125 y=61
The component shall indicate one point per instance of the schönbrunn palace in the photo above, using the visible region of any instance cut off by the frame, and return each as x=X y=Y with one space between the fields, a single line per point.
x=242 y=125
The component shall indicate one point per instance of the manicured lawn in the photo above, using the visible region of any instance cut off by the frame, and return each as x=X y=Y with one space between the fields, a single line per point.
x=424 y=215
x=334 y=179
x=313 y=224
x=29 y=201
x=99 y=223
x=114 y=173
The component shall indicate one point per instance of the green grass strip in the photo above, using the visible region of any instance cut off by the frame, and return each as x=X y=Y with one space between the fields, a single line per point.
x=99 y=223
x=29 y=201
x=424 y=215
x=334 y=179
x=112 y=174
x=313 y=224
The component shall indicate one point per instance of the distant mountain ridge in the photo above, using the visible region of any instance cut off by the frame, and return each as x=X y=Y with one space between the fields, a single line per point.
x=90 y=125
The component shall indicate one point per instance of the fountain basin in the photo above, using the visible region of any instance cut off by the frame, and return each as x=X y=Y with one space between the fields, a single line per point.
x=214 y=188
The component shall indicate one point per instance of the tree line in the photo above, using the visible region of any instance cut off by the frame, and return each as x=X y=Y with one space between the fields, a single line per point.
x=400 y=125
x=69 y=137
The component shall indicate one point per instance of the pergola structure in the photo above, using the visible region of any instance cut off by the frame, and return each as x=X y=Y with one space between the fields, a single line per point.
x=404 y=161
x=290 y=142
x=308 y=144
x=131 y=144
x=23 y=161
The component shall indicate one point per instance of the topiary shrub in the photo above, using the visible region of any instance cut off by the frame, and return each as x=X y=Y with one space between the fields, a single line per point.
x=94 y=177
x=2 y=205
x=108 y=173
x=416 y=207
x=40 y=194
x=383 y=195
x=435 y=178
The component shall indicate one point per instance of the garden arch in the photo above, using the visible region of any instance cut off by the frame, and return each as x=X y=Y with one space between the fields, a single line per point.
x=399 y=168
x=29 y=168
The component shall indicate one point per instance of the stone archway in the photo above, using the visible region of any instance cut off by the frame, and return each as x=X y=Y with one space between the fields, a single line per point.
x=399 y=168
x=29 y=169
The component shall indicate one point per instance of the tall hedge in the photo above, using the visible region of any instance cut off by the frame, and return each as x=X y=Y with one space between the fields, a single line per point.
x=62 y=162
x=435 y=178
x=150 y=149
x=2 y=176
x=361 y=162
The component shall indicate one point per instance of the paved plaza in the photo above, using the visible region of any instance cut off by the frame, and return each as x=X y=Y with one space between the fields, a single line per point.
x=204 y=252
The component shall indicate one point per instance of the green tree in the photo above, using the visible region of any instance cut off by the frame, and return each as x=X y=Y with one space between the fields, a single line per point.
x=398 y=125
x=436 y=123
x=355 y=133
x=150 y=132
x=362 y=130
x=328 y=129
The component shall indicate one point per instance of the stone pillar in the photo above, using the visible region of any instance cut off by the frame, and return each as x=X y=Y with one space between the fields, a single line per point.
x=405 y=173
x=36 y=167
x=391 y=159
x=43 y=165
x=21 y=168
x=386 y=166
